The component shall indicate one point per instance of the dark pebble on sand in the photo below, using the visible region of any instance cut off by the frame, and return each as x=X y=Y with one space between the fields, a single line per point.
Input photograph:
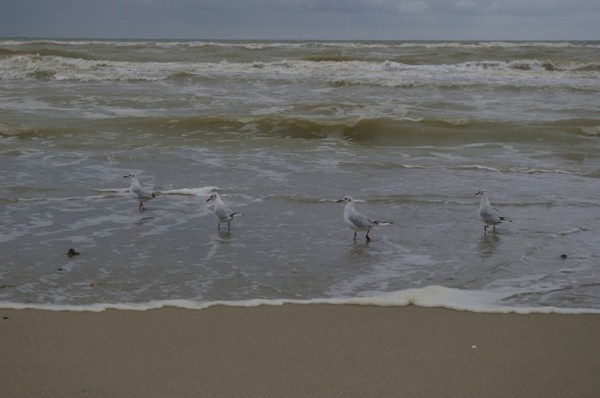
x=563 y=256
x=72 y=253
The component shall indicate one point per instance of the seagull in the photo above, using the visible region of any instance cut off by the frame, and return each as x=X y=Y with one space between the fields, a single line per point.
x=488 y=214
x=138 y=192
x=358 y=221
x=221 y=210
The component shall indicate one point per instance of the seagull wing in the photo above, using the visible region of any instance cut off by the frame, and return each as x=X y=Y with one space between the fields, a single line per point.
x=490 y=215
x=223 y=213
x=359 y=221
x=141 y=193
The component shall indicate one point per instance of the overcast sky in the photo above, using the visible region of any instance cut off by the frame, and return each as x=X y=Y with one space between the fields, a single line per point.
x=303 y=19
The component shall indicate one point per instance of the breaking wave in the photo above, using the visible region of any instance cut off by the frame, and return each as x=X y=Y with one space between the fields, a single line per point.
x=427 y=297
x=337 y=69
x=368 y=130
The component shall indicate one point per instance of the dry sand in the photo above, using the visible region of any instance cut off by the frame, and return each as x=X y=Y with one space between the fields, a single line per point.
x=298 y=351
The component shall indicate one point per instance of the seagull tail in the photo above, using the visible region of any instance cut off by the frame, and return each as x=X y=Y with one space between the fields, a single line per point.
x=383 y=222
x=505 y=219
x=236 y=214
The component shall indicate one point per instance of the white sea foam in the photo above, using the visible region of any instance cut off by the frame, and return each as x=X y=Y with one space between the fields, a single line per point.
x=572 y=231
x=431 y=296
x=121 y=191
x=349 y=72
x=476 y=167
x=202 y=191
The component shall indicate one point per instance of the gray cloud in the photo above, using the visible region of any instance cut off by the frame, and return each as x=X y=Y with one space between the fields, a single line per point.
x=304 y=19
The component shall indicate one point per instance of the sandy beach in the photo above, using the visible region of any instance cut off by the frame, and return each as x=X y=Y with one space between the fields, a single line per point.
x=298 y=351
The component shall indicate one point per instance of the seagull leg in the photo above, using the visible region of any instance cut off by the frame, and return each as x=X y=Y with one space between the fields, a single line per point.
x=355 y=236
x=367 y=236
x=141 y=207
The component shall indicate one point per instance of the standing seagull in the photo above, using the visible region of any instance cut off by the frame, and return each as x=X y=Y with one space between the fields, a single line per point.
x=221 y=210
x=138 y=192
x=488 y=214
x=358 y=221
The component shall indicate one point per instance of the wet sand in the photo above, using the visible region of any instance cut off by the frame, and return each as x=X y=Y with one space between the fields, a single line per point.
x=298 y=351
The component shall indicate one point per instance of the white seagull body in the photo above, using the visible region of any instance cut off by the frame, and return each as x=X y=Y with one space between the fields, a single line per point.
x=221 y=210
x=358 y=221
x=138 y=192
x=488 y=214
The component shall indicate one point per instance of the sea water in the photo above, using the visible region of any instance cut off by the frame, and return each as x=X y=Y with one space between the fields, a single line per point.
x=283 y=129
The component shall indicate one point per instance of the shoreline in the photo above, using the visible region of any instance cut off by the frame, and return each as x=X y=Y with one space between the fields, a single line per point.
x=316 y=350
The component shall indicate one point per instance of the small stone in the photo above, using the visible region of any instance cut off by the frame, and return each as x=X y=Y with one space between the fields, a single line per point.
x=73 y=253
x=563 y=256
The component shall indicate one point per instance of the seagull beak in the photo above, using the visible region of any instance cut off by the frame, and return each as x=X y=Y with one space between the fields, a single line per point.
x=340 y=201
x=208 y=200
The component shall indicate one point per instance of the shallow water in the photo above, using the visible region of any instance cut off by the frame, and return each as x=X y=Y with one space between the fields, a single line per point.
x=282 y=130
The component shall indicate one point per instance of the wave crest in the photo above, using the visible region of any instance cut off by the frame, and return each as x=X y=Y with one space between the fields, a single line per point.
x=333 y=68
